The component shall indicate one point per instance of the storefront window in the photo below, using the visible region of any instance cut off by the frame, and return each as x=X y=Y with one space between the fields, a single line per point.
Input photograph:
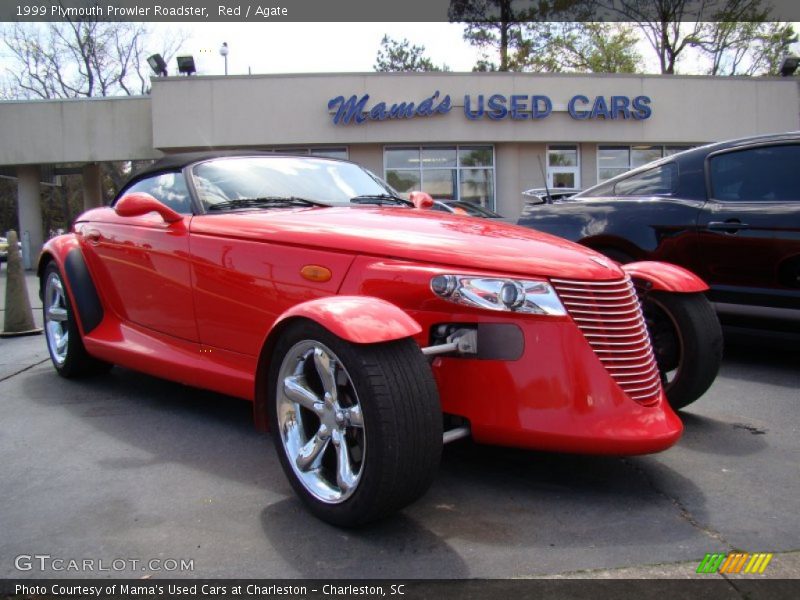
x=563 y=169
x=612 y=161
x=562 y=156
x=434 y=158
x=404 y=182
x=670 y=150
x=641 y=155
x=326 y=152
x=445 y=172
x=440 y=183
x=615 y=160
x=477 y=186
x=402 y=158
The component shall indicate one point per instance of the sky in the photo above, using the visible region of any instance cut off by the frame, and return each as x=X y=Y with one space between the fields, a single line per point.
x=314 y=47
x=276 y=47
x=336 y=47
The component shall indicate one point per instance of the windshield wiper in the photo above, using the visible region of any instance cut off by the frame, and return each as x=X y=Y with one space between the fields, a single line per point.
x=265 y=201
x=379 y=199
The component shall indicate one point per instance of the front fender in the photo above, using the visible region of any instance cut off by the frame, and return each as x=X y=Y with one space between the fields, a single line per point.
x=65 y=251
x=56 y=249
x=665 y=277
x=357 y=319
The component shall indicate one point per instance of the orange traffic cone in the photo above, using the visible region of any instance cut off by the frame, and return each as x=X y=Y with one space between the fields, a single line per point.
x=18 y=314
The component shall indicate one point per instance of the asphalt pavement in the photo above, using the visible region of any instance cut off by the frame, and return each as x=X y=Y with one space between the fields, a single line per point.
x=125 y=466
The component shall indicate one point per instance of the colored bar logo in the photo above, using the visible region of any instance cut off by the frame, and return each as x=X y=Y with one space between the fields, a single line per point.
x=735 y=562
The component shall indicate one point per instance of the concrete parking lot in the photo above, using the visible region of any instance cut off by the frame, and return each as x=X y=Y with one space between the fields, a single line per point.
x=128 y=466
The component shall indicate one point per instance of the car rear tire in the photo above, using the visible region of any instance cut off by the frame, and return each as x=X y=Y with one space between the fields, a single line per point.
x=687 y=342
x=357 y=427
x=616 y=255
x=67 y=352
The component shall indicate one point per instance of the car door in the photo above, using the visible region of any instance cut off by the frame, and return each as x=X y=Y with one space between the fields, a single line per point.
x=749 y=231
x=146 y=260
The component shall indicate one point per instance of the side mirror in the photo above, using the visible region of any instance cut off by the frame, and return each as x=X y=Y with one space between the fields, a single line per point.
x=421 y=199
x=140 y=203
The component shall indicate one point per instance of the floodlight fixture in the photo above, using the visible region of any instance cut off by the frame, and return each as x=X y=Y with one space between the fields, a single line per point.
x=156 y=62
x=186 y=65
x=789 y=65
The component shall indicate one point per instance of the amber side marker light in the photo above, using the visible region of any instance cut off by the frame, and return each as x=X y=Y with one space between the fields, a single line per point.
x=316 y=273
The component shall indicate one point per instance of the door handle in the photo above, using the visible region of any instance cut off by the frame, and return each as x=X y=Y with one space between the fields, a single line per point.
x=729 y=226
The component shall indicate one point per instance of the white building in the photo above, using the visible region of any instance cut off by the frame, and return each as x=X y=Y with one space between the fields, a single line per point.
x=483 y=137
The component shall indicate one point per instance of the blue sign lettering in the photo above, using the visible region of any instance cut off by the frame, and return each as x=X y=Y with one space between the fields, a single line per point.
x=573 y=111
x=354 y=109
x=642 y=108
x=497 y=107
x=540 y=107
x=619 y=106
x=600 y=109
x=468 y=112
x=348 y=110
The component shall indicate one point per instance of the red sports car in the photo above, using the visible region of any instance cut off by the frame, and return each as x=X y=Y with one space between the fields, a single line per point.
x=366 y=330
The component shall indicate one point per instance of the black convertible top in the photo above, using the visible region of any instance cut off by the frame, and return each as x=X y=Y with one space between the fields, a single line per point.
x=176 y=162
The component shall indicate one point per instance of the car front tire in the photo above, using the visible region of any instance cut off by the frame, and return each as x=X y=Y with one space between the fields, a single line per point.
x=687 y=342
x=67 y=352
x=357 y=427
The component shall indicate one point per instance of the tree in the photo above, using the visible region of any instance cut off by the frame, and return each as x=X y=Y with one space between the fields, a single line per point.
x=498 y=27
x=401 y=55
x=747 y=48
x=80 y=58
x=732 y=33
x=582 y=48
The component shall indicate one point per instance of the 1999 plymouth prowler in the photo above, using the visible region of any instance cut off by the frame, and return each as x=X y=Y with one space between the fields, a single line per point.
x=366 y=330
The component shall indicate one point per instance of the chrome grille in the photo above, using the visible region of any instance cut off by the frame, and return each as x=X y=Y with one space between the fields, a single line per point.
x=610 y=317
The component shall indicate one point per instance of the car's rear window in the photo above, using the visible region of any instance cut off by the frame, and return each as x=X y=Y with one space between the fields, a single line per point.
x=658 y=181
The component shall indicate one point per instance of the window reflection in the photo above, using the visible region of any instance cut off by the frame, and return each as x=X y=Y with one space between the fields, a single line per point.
x=445 y=172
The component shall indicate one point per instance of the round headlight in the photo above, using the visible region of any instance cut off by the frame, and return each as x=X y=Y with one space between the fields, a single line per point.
x=444 y=285
x=511 y=294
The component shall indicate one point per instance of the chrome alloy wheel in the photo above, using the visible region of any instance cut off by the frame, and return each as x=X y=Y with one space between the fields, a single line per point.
x=320 y=422
x=56 y=318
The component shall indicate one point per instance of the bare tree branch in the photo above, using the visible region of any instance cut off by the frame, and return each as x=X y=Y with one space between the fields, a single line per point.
x=81 y=58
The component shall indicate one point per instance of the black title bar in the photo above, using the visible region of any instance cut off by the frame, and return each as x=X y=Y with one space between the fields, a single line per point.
x=710 y=588
x=255 y=11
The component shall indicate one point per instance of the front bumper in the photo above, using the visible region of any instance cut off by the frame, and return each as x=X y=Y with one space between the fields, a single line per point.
x=557 y=396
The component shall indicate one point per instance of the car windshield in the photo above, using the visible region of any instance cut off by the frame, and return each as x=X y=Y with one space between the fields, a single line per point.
x=474 y=210
x=279 y=181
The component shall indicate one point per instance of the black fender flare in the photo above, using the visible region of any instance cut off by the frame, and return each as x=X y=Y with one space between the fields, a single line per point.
x=85 y=298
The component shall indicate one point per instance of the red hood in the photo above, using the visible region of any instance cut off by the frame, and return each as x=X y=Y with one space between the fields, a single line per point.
x=418 y=235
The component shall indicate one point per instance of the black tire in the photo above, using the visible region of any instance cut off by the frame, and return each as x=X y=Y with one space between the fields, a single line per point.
x=616 y=255
x=394 y=454
x=70 y=360
x=687 y=342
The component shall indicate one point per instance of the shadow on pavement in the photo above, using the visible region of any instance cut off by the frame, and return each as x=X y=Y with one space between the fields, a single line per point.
x=316 y=549
x=713 y=436
x=487 y=495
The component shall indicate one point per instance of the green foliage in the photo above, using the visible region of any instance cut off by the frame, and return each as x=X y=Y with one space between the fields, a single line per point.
x=582 y=48
x=402 y=55
x=736 y=36
x=746 y=48
x=501 y=28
